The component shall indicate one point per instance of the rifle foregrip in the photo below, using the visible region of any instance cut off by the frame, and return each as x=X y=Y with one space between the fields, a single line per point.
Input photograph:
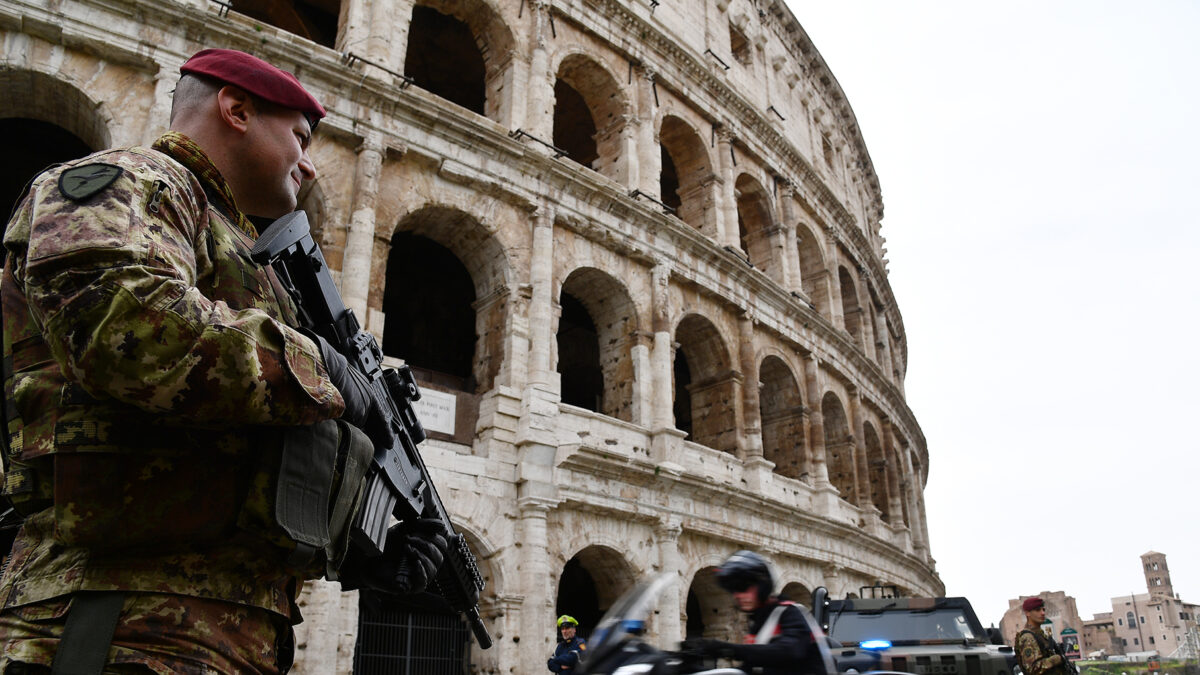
x=374 y=515
x=459 y=582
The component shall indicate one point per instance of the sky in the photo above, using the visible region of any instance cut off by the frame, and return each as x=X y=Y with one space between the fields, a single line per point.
x=1039 y=169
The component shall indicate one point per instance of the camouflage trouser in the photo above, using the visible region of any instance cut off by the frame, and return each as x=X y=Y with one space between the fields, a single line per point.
x=162 y=634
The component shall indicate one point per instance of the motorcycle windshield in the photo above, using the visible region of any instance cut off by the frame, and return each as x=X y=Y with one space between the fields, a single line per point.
x=627 y=617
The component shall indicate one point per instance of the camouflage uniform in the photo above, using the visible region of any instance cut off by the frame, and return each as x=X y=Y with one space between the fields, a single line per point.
x=1036 y=655
x=154 y=367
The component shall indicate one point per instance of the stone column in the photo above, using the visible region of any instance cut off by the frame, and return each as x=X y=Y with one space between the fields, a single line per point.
x=388 y=41
x=816 y=422
x=671 y=605
x=895 y=509
x=537 y=607
x=836 y=313
x=539 y=118
x=666 y=440
x=356 y=27
x=725 y=200
x=862 y=477
x=789 y=265
x=643 y=377
x=752 y=444
x=913 y=481
x=647 y=171
x=541 y=304
x=360 y=240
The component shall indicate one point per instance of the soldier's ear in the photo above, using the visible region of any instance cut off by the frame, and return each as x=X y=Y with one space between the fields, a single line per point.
x=235 y=107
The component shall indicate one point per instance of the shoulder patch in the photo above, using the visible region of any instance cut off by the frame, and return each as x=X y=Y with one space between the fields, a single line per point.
x=80 y=183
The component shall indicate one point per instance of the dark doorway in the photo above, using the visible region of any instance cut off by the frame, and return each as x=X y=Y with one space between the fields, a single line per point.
x=577 y=597
x=316 y=20
x=574 y=129
x=668 y=181
x=579 y=356
x=33 y=145
x=683 y=395
x=430 y=321
x=444 y=59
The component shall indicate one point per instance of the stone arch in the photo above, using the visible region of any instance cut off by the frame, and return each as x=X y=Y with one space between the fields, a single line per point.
x=782 y=412
x=332 y=240
x=480 y=301
x=755 y=223
x=45 y=120
x=709 y=609
x=595 y=335
x=839 y=447
x=707 y=398
x=316 y=21
x=877 y=470
x=589 y=114
x=460 y=50
x=797 y=592
x=851 y=309
x=591 y=581
x=814 y=275
x=687 y=174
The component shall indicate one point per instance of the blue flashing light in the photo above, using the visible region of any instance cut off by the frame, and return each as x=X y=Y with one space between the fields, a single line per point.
x=633 y=625
x=875 y=645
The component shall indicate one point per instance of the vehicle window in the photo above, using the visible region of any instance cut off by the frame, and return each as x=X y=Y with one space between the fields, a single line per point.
x=947 y=624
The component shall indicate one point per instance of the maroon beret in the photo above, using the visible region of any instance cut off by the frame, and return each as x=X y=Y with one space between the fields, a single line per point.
x=255 y=76
x=1031 y=604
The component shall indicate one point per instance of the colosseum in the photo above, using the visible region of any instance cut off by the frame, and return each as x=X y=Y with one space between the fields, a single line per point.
x=632 y=249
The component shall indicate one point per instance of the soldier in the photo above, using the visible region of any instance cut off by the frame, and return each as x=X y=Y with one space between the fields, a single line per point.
x=1036 y=655
x=152 y=375
x=778 y=639
x=570 y=649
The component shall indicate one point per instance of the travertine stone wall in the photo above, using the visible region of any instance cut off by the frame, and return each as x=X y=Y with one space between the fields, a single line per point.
x=731 y=215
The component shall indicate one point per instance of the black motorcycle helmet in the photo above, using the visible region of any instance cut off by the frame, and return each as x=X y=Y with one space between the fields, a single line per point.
x=743 y=570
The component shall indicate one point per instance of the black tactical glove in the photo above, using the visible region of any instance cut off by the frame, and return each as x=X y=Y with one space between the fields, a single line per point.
x=362 y=410
x=709 y=647
x=411 y=558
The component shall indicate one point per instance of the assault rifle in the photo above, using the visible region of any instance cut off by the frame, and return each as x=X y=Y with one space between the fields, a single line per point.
x=397 y=482
x=1068 y=665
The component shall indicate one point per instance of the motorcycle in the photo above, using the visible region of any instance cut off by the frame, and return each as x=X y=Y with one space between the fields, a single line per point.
x=618 y=644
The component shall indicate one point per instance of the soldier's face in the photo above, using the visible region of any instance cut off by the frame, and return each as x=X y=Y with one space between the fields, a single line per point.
x=278 y=140
x=746 y=600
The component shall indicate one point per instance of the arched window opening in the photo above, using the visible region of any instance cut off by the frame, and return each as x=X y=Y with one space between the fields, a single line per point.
x=430 y=321
x=591 y=582
x=668 y=181
x=877 y=467
x=574 y=129
x=782 y=419
x=444 y=59
x=692 y=173
x=754 y=222
x=740 y=47
x=683 y=397
x=579 y=356
x=710 y=609
x=851 y=311
x=316 y=20
x=33 y=146
x=814 y=278
x=595 y=338
x=839 y=448
x=714 y=386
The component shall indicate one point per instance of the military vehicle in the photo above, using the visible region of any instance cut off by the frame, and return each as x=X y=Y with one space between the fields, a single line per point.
x=925 y=636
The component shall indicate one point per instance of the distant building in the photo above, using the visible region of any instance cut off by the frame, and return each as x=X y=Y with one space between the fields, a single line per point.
x=1154 y=622
x=1060 y=611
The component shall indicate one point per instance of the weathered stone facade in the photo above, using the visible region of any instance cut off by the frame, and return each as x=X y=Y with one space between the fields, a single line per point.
x=635 y=248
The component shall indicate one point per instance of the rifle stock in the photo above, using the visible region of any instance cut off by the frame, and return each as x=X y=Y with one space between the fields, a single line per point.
x=397 y=482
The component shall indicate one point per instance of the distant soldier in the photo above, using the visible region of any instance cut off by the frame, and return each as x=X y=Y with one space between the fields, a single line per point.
x=154 y=383
x=779 y=640
x=1034 y=651
x=570 y=649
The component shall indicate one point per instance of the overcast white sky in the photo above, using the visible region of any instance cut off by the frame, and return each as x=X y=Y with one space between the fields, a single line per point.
x=1038 y=162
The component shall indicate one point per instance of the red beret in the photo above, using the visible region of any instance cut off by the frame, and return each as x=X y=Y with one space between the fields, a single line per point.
x=1031 y=604
x=255 y=76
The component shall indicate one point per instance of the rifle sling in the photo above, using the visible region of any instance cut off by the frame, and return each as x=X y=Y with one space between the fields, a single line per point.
x=91 y=621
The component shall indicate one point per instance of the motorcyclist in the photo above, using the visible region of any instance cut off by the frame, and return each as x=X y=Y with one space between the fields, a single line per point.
x=570 y=649
x=778 y=640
